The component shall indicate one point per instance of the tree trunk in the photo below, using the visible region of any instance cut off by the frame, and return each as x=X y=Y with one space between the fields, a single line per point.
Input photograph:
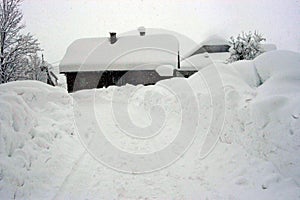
x=2 y=78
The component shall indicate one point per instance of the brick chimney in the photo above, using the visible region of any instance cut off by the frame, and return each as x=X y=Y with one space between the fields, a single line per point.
x=142 y=31
x=113 y=37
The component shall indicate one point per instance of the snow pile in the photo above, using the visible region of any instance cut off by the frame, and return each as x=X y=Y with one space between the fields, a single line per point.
x=264 y=120
x=277 y=62
x=247 y=71
x=35 y=136
x=272 y=130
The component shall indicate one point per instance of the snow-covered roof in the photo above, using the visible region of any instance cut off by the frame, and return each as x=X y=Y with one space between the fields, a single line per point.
x=165 y=70
x=269 y=47
x=213 y=40
x=196 y=62
x=186 y=44
x=127 y=53
x=199 y=61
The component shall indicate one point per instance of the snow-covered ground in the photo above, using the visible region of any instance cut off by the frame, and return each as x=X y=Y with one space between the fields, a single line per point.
x=55 y=145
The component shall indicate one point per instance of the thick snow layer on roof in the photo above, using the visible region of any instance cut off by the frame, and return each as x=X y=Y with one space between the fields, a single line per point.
x=185 y=43
x=129 y=52
x=196 y=62
x=165 y=70
x=269 y=47
x=220 y=57
x=212 y=40
x=199 y=61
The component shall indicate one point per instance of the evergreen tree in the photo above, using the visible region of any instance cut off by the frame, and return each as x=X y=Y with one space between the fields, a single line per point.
x=245 y=46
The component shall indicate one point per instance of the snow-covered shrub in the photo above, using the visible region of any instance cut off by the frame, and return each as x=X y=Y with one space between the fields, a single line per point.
x=245 y=46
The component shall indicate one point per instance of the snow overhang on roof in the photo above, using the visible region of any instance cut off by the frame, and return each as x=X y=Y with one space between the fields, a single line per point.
x=213 y=40
x=128 y=53
x=199 y=61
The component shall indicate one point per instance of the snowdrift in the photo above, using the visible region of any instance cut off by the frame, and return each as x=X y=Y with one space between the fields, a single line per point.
x=35 y=139
x=276 y=62
x=255 y=156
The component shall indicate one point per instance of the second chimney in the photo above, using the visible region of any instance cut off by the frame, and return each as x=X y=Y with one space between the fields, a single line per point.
x=113 y=37
x=142 y=31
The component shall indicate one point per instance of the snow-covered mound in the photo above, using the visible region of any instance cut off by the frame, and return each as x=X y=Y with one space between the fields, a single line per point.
x=276 y=62
x=254 y=103
x=275 y=124
x=247 y=71
x=35 y=139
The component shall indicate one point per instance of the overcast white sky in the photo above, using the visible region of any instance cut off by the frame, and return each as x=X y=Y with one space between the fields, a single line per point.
x=56 y=23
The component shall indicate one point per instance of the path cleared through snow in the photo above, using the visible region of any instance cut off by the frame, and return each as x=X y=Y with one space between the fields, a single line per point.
x=50 y=146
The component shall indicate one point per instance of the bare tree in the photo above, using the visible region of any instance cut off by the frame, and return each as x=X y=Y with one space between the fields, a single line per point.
x=15 y=48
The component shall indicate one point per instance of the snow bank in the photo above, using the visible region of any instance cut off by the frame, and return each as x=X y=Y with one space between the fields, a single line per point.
x=219 y=76
x=247 y=72
x=35 y=138
x=264 y=119
x=275 y=112
x=275 y=62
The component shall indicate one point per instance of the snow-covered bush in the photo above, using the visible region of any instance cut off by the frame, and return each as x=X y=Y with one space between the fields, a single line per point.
x=246 y=46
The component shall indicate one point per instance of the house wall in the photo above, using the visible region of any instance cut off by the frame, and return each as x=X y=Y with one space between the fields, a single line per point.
x=212 y=49
x=184 y=73
x=98 y=79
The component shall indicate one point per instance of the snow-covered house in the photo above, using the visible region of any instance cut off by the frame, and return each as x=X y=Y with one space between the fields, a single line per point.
x=100 y=62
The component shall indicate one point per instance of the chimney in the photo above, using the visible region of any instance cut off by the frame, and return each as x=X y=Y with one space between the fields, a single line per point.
x=142 y=31
x=113 y=37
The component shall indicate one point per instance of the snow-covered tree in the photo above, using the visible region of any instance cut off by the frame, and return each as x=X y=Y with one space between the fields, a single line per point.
x=35 y=69
x=15 y=47
x=245 y=46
